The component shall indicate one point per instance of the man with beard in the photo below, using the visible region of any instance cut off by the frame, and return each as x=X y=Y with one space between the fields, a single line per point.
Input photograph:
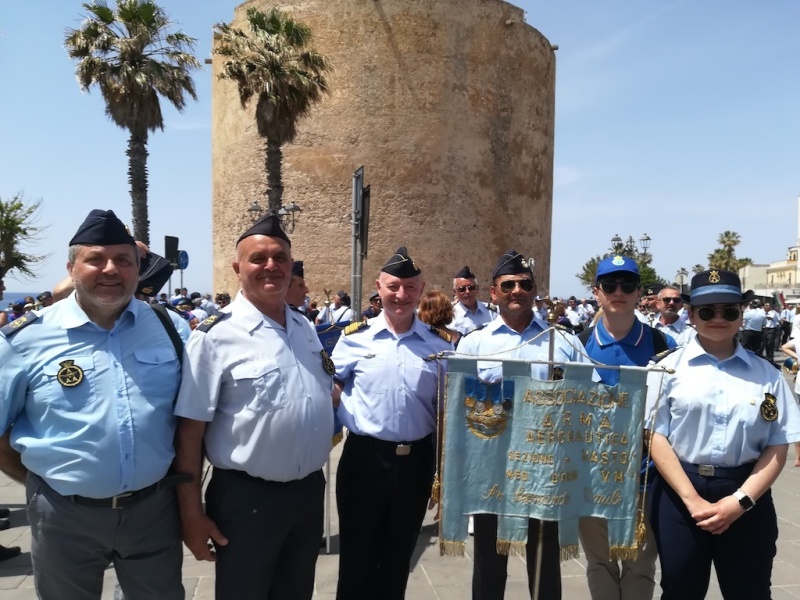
x=668 y=319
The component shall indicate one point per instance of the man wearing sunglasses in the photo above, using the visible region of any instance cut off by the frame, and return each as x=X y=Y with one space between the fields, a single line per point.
x=469 y=312
x=516 y=334
x=619 y=338
x=668 y=321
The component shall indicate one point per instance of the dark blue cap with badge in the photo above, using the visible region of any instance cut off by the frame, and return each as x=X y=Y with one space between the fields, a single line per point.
x=401 y=265
x=653 y=289
x=513 y=263
x=616 y=264
x=465 y=273
x=269 y=225
x=297 y=269
x=718 y=287
x=154 y=272
x=102 y=228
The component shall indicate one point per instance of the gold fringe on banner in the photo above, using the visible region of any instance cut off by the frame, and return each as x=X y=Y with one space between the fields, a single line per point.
x=449 y=548
x=569 y=552
x=623 y=552
x=641 y=530
x=436 y=488
x=337 y=438
x=510 y=548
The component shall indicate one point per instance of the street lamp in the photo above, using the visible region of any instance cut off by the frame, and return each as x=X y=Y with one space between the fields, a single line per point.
x=616 y=243
x=287 y=214
x=255 y=211
x=644 y=242
x=682 y=274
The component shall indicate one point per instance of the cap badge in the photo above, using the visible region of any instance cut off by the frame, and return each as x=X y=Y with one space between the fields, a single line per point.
x=618 y=261
x=713 y=277
x=528 y=264
x=769 y=407
x=70 y=374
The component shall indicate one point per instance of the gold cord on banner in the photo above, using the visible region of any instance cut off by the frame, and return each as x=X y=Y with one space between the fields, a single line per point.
x=641 y=526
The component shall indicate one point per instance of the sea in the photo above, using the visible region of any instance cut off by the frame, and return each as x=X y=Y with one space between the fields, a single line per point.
x=11 y=297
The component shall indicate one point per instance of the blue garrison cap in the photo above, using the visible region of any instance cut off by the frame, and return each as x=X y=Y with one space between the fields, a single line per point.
x=401 y=265
x=513 y=263
x=718 y=287
x=269 y=225
x=102 y=228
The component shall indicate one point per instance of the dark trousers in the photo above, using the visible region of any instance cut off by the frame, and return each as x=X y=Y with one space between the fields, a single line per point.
x=751 y=340
x=786 y=331
x=490 y=568
x=770 y=335
x=742 y=556
x=273 y=532
x=382 y=499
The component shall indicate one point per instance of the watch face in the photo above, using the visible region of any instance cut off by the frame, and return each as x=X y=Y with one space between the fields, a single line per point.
x=746 y=503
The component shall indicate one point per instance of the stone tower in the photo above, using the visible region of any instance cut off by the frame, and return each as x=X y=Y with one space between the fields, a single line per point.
x=448 y=104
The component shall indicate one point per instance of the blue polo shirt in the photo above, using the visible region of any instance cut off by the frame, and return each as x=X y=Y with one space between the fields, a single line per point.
x=635 y=349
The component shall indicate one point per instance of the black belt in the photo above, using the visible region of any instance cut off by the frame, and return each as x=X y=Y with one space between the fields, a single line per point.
x=396 y=448
x=130 y=498
x=723 y=472
x=254 y=479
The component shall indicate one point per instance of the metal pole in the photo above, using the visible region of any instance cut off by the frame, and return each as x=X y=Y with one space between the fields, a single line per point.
x=355 y=263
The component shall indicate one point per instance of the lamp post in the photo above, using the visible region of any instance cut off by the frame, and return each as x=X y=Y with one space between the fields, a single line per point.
x=681 y=277
x=255 y=211
x=616 y=244
x=287 y=214
x=644 y=242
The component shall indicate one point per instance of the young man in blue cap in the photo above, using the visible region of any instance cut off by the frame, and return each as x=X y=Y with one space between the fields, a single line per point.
x=89 y=385
x=619 y=338
x=389 y=404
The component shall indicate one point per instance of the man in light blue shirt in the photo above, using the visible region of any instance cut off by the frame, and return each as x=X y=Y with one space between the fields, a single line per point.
x=468 y=313
x=753 y=327
x=787 y=318
x=86 y=391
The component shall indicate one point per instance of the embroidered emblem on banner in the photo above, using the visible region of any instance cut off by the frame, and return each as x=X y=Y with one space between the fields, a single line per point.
x=70 y=374
x=490 y=407
x=769 y=407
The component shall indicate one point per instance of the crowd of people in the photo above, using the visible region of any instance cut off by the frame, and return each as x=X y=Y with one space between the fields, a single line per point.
x=113 y=396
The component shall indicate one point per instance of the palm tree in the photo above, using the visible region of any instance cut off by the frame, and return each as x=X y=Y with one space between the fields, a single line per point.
x=729 y=240
x=131 y=55
x=272 y=63
x=698 y=268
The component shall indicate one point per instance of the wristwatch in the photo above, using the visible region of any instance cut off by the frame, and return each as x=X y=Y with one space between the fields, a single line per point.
x=745 y=501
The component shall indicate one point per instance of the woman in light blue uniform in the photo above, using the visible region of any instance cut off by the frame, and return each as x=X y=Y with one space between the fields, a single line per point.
x=722 y=424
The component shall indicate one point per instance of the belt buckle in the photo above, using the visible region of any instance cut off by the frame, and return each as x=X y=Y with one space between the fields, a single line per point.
x=121 y=496
x=705 y=470
x=402 y=450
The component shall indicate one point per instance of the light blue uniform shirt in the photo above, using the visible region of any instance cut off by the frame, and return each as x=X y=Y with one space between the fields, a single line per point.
x=498 y=338
x=390 y=389
x=754 y=319
x=679 y=331
x=111 y=433
x=465 y=320
x=264 y=392
x=710 y=409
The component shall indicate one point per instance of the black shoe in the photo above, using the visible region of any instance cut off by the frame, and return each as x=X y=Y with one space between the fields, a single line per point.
x=4 y=512
x=6 y=553
x=4 y=524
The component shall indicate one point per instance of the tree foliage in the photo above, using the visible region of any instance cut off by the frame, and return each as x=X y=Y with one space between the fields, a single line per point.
x=724 y=257
x=18 y=229
x=272 y=63
x=130 y=53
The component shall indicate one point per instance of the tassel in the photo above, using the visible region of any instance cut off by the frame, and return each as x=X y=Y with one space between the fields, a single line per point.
x=503 y=546
x=641 y=530
x=623 y=552
x=451 y=548
x=436 y=489
x=337 y=438
x=569 y=552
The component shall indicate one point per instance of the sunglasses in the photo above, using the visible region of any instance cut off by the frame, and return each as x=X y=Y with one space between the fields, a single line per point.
x=672 y=300
x=466 y=288
x=609 y=286
x=509 y=284
x=729 y=313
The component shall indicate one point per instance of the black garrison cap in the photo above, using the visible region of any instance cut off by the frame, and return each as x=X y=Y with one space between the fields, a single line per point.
x=102 y=228
x=465 y=273
x=513 y=263
x=269 y=225
x=154 y=272
x=401 y=265
x=297 y=269
x=652 y=289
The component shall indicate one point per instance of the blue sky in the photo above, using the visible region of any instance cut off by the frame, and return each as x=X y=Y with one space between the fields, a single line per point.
x=676 y=119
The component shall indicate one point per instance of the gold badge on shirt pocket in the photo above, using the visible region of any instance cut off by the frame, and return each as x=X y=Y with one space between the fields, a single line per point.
x=70 y=374
x=769 y=407
x=327 y=363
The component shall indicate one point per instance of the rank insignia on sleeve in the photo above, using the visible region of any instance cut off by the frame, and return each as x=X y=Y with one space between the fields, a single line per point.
x=327 y=363
x=70 y=374
x=769 y=407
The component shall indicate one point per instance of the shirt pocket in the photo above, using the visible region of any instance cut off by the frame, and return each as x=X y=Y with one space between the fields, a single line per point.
x=70 y=382
x=262 y=381
x=372 y=376
x=157 y=374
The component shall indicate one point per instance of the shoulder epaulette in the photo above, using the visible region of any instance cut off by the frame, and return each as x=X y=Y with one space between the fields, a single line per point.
x=442 y=334
x=473 y=331
x=561 y=327
x=353 y=327
x=661 y=355
x=211 y=321
x=492 y=307
x=295 y=309
x=19 y=323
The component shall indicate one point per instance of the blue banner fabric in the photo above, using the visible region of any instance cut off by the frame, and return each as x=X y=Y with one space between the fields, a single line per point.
x=548 y=450
x=328 y=335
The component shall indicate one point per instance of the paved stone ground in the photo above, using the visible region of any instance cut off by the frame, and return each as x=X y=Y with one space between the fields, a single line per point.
x=433 y=577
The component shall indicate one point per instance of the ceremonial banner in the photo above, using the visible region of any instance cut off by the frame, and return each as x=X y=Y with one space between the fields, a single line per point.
x=549 y=450
x=328 y=335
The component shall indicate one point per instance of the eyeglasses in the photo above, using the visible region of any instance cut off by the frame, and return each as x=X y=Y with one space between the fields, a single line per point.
x=729 y=313
x=609 y=286
x=509 y=284
x=677 y=300
x=464 y=288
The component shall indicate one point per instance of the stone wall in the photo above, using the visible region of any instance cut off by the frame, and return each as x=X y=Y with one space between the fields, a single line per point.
x=448 y=104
